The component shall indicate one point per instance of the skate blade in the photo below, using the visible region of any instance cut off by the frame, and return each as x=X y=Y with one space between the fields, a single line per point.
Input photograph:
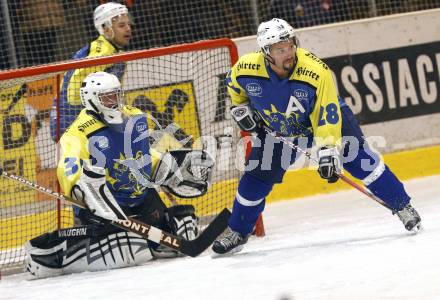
x=416 y=229
x=227 y=254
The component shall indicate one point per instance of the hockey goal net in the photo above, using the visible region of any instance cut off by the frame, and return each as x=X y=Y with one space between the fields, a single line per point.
x=181 y=85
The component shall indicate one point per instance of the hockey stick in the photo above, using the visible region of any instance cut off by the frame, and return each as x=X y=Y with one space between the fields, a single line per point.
x=362 y=189
x=191 y=248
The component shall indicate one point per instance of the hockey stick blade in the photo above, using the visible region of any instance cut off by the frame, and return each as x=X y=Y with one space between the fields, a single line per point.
x=208 y=236
x=190 y=248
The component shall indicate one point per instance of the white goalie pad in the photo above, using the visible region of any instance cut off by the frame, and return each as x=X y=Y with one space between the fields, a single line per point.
x=117 y=250
x=93 y=191
x=185 y=173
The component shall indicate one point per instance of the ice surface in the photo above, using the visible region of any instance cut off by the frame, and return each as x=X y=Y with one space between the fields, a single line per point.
x=337 y=246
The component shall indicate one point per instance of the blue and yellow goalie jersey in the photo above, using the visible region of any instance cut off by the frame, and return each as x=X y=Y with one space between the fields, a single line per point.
x=89 y=139
x=304 y=104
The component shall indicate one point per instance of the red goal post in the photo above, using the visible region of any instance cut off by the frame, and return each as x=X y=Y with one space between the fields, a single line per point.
x=154 y=80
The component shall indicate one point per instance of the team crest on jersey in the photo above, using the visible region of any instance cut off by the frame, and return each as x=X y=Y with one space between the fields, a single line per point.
x=301 y=94
x=141 y=127
x=287 y=124
x=122 y=178
x=103 y=143
x=254 y=89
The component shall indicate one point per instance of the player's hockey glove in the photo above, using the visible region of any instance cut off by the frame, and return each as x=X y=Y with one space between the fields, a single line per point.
x=329 y=163
x=246 y=118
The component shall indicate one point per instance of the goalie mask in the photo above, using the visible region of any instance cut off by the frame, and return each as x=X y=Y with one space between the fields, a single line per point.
x=104 y=14
x=101 y=92
x=272 y=32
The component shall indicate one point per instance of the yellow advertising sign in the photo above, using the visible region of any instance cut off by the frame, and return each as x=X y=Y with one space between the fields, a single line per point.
x=41 y=93
x=17 y=148
x=21 y=106
x=173 y=109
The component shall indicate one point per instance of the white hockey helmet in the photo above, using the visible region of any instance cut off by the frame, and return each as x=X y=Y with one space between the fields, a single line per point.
x=274 y=31
x=104 y=14
x=101 y=92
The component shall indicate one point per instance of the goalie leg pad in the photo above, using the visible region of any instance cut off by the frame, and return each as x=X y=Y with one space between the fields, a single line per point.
x=82 y=249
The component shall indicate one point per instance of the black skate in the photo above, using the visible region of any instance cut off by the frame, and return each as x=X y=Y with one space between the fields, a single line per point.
x=232 y=242
x=410 y=218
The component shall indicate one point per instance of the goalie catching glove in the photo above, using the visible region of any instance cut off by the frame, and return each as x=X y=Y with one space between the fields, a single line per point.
x=185 y=173
x=91 y=188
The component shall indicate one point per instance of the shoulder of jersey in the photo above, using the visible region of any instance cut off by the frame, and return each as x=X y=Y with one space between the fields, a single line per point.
x=132 y=111
x=310 y=68
x=84 y=124
x=101 y=46
x=251 y=64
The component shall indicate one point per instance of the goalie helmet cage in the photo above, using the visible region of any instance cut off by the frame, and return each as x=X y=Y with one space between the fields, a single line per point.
x=180 y=85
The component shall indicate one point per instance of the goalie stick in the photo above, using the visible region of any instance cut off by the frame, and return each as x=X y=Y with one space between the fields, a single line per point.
x=363 y=190
x=191 y=248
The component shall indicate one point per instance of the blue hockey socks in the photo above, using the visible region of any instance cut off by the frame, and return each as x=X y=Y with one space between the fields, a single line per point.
x=388 y=188
x=248 y=204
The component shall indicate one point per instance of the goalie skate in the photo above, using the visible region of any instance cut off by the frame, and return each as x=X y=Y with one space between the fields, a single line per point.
x=410 y=218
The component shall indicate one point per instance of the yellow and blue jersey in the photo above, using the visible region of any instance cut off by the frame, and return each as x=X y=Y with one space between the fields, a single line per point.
x=303 y=104
x=70 y=101
x=72 y=79
x=89 y=139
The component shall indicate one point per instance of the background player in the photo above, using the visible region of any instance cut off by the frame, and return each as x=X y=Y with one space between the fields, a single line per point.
x=292 y=91
x=107 y=163
x=113 y=23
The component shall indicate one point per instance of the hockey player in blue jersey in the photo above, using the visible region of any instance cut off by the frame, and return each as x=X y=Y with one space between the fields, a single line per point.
x=291 y=91
x=107 y=163
x=113 y=23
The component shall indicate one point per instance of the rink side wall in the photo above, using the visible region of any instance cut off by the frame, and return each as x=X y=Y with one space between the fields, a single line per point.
x=388 y=70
